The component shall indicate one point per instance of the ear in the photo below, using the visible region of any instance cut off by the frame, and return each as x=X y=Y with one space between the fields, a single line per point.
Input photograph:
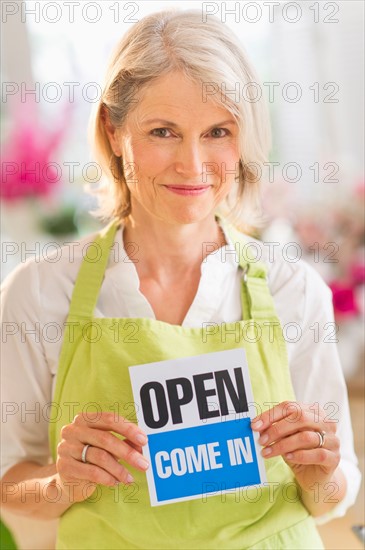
x=110 y=130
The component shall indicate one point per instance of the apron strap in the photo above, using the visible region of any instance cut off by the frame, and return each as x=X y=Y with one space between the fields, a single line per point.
x=257 y=302
x=256 y=299
x=91 y=274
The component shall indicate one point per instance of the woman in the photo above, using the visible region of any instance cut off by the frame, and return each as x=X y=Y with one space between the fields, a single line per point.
x=177 y=148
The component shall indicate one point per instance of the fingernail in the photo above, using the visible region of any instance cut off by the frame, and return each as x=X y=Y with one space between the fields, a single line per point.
x=142 y=463
x=129 y=478
x=257 y=424
x=289 y=455
x=266 y=452
x=263 y=439
x=141 y=439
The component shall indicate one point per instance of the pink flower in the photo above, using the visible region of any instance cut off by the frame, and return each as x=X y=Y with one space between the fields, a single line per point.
x=358 y=273
x=28 y=165
x=344 y=301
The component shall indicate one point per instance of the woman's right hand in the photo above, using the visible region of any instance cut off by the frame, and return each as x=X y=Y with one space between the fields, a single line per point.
x=79 y=479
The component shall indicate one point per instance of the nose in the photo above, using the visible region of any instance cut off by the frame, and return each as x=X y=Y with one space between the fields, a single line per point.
x=190 y=158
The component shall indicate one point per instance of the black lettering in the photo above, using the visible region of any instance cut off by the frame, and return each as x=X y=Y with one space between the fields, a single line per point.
x=238 y=398
x=201 y=395
x=146 y=402
x=175 y=401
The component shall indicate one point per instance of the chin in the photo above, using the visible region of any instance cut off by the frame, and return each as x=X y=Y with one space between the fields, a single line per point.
x=190 y=215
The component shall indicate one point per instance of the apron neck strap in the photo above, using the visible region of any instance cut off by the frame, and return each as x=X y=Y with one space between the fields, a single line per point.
x=257 y=302
x=92 y=271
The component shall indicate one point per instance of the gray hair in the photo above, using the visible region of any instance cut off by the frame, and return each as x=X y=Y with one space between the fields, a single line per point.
x=209 y=54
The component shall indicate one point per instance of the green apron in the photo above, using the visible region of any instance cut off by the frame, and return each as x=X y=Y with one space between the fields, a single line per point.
x=93 y=373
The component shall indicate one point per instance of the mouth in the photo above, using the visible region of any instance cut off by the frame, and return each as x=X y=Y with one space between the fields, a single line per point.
x=187 y=189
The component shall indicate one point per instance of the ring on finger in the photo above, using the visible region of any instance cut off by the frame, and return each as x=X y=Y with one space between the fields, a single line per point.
x=322 y=439
x=83 y=454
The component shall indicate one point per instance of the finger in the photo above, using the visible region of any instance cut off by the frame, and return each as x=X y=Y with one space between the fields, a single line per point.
x=78 y=471
x=299 y=441
x=284 y=428
x=277 y=431
x=70 y=444
x=73 y=449
x=136 y=447
x=322 y=457
x=104 y=460
x=113 y=445
x=112 y=422
x=293 y=417
x=280 y=411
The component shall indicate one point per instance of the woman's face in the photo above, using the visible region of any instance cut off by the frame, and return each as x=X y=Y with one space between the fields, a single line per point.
x=184 y=150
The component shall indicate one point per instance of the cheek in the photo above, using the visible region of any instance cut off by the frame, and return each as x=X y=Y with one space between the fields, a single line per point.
x=229 y=167
x=149 y=161
x=146 y=166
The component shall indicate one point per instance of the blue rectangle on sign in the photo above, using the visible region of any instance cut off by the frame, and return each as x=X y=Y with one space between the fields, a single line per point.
x=186 y=462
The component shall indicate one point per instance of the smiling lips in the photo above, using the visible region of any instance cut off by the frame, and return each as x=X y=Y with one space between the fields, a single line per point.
x=188 y=189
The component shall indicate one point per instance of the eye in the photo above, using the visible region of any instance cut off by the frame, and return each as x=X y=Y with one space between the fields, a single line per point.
x=159 y=132
x=218 y=132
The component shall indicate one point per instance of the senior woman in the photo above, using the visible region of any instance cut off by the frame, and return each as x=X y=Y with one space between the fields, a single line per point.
x=177 y=147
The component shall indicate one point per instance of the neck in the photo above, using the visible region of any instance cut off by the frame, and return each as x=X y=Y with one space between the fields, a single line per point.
x=162 y=249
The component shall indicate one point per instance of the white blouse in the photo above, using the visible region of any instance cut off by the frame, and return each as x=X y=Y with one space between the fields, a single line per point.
x=34 y=307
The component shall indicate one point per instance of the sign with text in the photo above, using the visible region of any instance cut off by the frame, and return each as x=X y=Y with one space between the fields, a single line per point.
x=195 y=413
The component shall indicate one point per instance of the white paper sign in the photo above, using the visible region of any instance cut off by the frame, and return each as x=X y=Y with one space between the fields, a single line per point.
x=195 y=412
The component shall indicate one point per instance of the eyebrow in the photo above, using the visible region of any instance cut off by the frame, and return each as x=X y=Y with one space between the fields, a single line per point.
x=174 y=125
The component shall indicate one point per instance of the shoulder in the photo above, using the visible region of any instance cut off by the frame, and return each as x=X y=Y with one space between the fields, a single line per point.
x=286 y=268
x=299 y=291
x=39 y=280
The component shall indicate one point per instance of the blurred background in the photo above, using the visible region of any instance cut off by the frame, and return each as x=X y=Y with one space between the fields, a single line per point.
x=309 y=57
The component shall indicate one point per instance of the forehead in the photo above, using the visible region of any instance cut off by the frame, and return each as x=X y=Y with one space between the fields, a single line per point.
x=175 y=95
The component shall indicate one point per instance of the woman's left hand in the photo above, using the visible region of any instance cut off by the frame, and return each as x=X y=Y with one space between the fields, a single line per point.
x=291 y=430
